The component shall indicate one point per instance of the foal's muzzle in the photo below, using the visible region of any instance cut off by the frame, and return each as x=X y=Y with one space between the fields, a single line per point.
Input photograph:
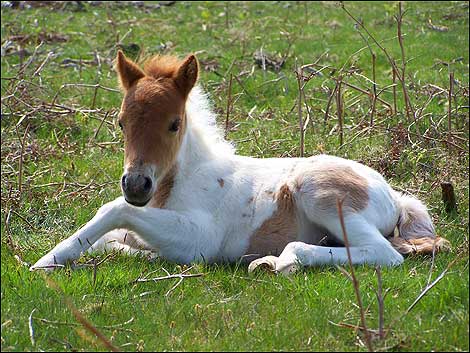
x=137 y=188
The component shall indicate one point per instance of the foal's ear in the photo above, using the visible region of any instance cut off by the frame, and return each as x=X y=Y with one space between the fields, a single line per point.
x=128 y=71
x=186 y=76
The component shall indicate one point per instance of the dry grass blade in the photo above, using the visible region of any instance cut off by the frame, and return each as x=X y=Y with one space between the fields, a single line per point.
x=117 y=327
x=380 y=300
x=31 y=328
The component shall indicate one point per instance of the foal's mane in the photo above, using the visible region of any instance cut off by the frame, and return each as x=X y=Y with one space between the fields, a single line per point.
x=202 y=121
x=162 y=66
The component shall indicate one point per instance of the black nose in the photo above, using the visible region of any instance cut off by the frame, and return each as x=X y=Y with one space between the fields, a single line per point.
x=136 y=188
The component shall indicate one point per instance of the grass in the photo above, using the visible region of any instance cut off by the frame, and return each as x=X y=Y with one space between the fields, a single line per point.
x=71 y=161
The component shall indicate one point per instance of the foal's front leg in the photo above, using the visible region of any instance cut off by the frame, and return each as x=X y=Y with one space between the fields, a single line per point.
x=176 y=235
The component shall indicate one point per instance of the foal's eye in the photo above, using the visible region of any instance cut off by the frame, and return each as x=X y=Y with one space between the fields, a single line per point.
x=175 y=125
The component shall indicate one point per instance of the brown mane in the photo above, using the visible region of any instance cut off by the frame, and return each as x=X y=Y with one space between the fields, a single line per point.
x=162 y=66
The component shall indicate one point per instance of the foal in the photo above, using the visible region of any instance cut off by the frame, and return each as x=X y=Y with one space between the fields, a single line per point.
x=188 y=197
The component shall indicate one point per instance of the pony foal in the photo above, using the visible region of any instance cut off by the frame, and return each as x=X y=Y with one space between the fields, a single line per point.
x=188 y=197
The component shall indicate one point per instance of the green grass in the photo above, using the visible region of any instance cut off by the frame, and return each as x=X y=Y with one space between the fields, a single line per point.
x=67 y=173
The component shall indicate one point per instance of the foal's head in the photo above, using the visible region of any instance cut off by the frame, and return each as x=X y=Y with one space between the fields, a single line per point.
x=152 y=119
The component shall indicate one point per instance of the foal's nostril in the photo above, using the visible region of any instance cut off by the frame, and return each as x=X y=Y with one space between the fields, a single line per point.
x=148 y=184
x=123 y=181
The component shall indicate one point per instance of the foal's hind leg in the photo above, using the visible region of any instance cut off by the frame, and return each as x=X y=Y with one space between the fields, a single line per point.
x=367 y=246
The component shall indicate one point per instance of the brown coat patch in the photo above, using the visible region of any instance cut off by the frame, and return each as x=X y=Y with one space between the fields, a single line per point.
x=277 y=231
x=327 y=182
x=164 y=189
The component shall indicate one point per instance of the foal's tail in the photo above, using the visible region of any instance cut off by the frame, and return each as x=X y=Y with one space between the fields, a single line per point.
x=415 y=229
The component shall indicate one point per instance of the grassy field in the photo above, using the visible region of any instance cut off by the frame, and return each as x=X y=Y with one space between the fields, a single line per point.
x=61 y=159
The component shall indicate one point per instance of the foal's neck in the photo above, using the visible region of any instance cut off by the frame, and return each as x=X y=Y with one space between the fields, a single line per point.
x=195 y=148
x=203 y=141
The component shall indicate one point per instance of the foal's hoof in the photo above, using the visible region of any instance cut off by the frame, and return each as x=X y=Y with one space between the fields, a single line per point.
x=267 y=263
x=273 y=264
x=46 y=263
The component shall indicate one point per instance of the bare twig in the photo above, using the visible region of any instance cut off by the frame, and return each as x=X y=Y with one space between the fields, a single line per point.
x=394 y=80
x=156 y=279
x=101 y=124
x=339 y=110
x=354 y=327
x=368 y=93
x=243 y=86
x=229 y=105
x=174 y=287
x=30 y=60
x=339 y=206
x=95 y=86
x=20 y=166
x=429 y=287
x=449 y=110
x=39 y=69
x=374 y=90
x=425 y=291
x=374 y=82
x=299 y=75
x=330 y=99
x=390 y=59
